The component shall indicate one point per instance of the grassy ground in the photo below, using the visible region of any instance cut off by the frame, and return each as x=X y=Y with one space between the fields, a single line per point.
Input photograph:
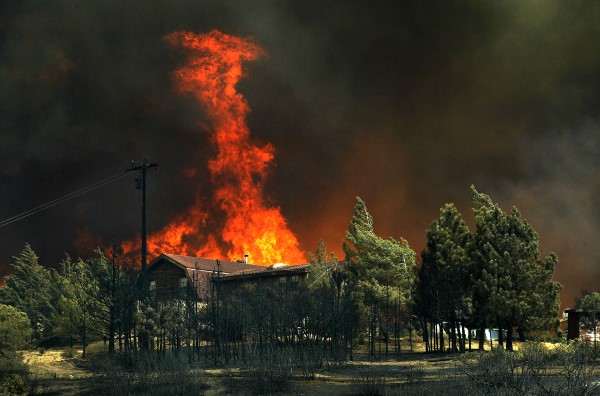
x=64 y=372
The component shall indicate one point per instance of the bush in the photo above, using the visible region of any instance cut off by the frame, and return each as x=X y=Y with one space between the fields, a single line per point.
x=15 y=330
x=578 y=369
x=414 y=373
x=266 y=378
x=96 y=348
x=371 y=383
x=13 y=374
x=568 y=370
x=13 y=384
x=69 y=353
x=149 y=374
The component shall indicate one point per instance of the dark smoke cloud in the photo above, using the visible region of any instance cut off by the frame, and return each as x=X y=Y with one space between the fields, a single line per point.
x=405 y=103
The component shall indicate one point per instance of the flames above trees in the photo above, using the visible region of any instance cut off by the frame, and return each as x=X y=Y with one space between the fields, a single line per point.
x=239 y=169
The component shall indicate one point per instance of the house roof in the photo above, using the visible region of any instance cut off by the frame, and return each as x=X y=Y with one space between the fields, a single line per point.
x=191 y=264
x=274 y=270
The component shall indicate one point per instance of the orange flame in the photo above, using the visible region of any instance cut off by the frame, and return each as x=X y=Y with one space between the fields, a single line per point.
x=240 y=167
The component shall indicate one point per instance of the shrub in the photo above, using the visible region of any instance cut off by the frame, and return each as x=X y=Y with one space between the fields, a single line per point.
x=69 y=353
x=13 y=374
x=149 y=374
x=414 y=373
x=578 y=369
x=15 y=330
x=13 y=384
x=266 y=378
x=568 y=370
x=371 y=383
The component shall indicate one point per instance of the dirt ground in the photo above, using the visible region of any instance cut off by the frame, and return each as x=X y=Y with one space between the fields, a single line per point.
x=63 y=372
x=54 y=373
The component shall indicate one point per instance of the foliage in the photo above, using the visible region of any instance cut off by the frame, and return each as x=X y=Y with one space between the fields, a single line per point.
x=534 y=370
x=81 y=315
x=381 y=275
x=376 y=263
x=31 y=289
x=444 y=284
x=266 y=378
x=15 y=329
x=512 y=285
x=13 y=384
x=591 y=304
x=172 y=374
x=371 y=383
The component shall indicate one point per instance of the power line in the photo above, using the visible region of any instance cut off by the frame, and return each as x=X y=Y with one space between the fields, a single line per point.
x=62 y=199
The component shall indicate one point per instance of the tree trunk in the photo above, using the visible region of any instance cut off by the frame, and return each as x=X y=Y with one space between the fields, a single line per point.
x=425 y=335
x=521 y=334
x=509 y=337
x=442 y=348
x=481 y=338
x=84 y=337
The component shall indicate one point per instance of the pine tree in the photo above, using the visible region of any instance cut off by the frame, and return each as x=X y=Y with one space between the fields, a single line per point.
x=31 y=288
x=381 y=269
x=445 y=287
x=376 y=262
x=513 y=286
x=80 y=313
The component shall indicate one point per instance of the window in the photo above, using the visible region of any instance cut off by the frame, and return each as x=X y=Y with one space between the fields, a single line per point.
x=183 y=283
x=152 y=285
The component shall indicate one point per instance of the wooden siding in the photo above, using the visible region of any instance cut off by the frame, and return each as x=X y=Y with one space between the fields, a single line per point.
x=265 y=279
x=166 y=278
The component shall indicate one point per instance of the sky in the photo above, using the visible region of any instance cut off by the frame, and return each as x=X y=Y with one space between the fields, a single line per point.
x=403 y=103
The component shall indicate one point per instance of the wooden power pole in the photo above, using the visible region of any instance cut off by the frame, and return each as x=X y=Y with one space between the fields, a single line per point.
x=140 y=184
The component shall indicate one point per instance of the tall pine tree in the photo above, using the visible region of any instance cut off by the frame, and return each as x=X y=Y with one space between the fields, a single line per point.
x=31 y=288
x=445 y=285
x=381 y=269
x=513 y=285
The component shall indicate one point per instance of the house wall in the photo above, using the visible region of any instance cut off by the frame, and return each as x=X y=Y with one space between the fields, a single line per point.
x=264 y=281
x=165 y=278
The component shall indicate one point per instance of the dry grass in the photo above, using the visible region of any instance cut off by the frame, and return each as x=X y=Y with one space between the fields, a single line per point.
x=410 y=374
x=53 y=373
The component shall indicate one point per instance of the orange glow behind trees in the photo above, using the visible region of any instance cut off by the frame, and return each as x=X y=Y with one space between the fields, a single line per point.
x=239 y=170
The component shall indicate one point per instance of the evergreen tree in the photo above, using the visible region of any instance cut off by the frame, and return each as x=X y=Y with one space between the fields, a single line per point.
x=376 y=262
x=513 y=286
x=380 y=269
x=444 y=288
x=80 y=313
x=31 y=289
x=322 y=266
x=591 y=304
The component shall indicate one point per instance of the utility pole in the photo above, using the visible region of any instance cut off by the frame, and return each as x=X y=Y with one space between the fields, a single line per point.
x=140 y=184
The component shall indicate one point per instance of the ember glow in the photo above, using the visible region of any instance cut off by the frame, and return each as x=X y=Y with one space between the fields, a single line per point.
x=238 y=171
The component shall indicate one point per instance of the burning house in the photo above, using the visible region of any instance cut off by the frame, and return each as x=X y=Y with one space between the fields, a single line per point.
x=266 y=276
x=170 y=275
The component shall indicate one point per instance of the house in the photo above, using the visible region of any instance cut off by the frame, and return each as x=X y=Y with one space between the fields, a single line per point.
x=170 y=275
x=276 y=274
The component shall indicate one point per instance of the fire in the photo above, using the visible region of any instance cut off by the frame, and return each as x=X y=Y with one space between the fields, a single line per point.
x=240 y=167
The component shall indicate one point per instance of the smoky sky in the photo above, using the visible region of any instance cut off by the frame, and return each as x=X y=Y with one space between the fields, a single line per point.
x=403 y=103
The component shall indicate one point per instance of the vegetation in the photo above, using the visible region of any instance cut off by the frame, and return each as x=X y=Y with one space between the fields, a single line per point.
x=381 y=274
x=493 y=277
x=15 y=333
x=375 y=302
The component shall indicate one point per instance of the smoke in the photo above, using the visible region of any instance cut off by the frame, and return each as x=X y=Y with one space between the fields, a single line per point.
x=560 y=199
x=402 y=103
